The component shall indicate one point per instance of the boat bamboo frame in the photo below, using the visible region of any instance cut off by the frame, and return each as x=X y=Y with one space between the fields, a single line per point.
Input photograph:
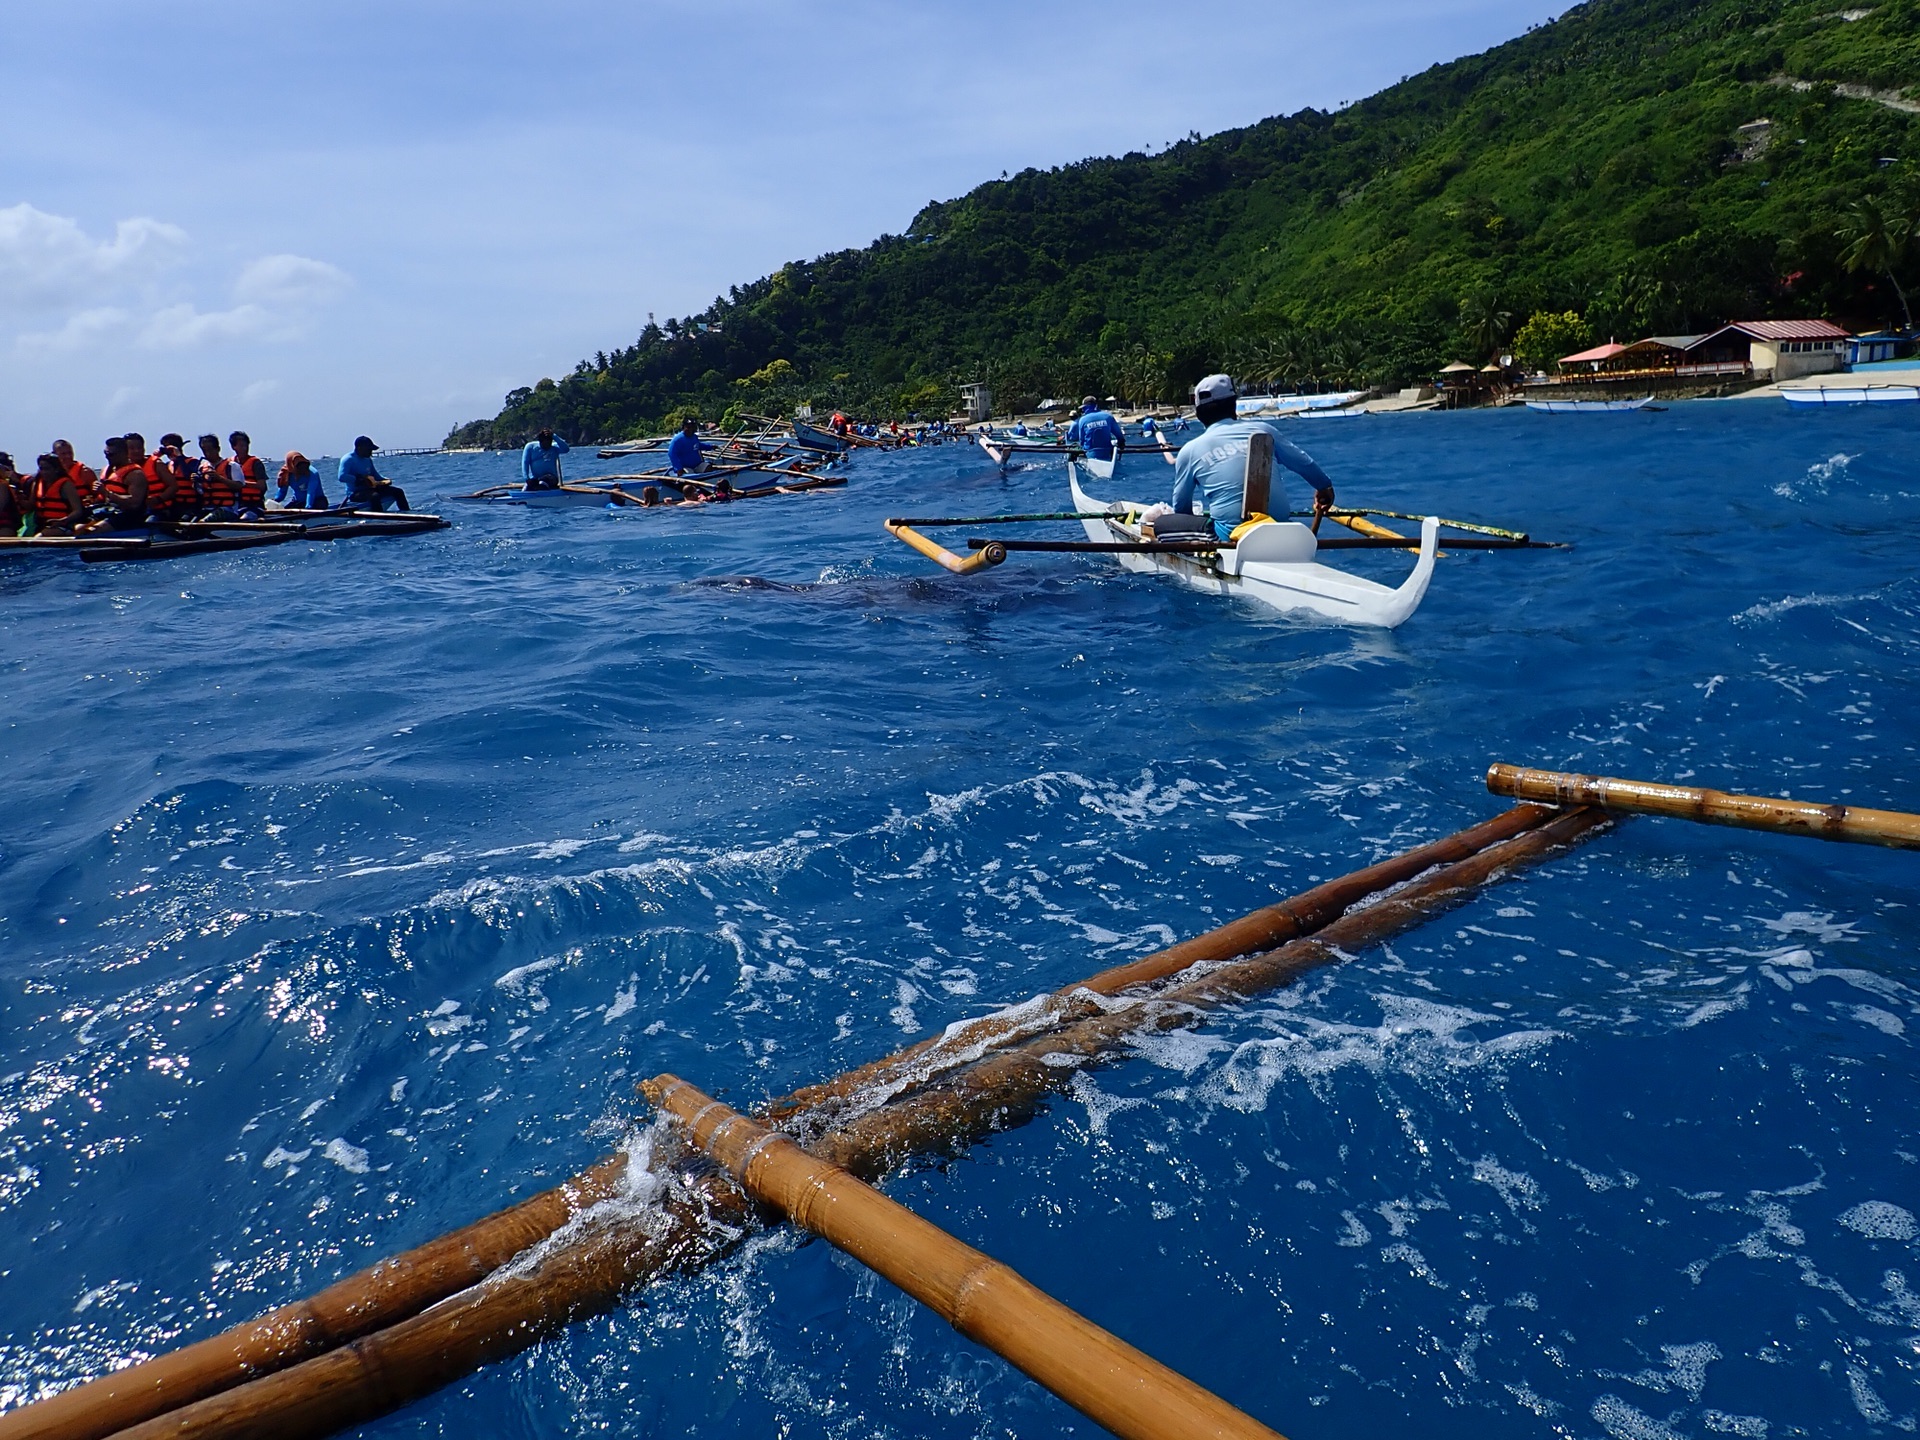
x=1096 y=1372
x=375 y=1341
x=1820 y=821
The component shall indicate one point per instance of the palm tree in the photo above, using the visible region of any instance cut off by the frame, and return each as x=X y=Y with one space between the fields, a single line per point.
x=1487 y=322
x=1877 y=242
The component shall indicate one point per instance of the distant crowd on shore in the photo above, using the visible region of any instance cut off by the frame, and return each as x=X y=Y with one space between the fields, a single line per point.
x=135 y=489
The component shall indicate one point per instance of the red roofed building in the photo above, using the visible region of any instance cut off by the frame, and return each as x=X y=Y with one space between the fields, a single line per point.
x=1774 y=349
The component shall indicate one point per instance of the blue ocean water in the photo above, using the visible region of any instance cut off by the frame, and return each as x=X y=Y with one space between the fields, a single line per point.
x=348 y=890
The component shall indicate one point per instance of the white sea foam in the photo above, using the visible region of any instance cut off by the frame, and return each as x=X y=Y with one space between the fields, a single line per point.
x=1880 y=1220
x=1623 y=1422
x=1420 y=1036
x=350 y=1158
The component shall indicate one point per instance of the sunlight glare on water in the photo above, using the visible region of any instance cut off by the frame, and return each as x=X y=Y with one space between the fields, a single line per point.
x=349 y=890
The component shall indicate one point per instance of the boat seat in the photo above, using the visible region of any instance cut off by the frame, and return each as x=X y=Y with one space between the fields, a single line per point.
x=1280 y=542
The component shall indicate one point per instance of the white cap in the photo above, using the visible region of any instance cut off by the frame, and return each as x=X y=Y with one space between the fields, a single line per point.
x=1214 y=387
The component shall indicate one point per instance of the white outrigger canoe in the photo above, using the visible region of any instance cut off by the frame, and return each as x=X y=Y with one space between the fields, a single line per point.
x=1273 y=564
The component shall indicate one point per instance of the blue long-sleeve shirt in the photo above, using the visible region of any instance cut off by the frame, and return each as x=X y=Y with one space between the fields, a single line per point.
x=1098 y=433
x=537 y=463
x=684 y=452
x=1214 y=464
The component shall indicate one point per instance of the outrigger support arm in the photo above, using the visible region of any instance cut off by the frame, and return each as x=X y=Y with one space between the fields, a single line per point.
x=990 y=554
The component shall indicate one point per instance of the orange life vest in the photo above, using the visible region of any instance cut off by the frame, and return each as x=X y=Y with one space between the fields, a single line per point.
x=85 y=480
x=119 y=486
x=160 y=489
x=49 y=504
x=219 y=485
x=253 y=482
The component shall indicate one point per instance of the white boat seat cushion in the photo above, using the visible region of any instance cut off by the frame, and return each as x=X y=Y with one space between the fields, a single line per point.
x=1284 y=542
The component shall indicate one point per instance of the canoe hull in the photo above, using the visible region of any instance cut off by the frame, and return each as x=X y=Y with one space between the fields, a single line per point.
x=1295 y=586
x=1854 y=395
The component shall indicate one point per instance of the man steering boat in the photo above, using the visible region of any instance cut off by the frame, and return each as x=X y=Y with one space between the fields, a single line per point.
x=1213 y=467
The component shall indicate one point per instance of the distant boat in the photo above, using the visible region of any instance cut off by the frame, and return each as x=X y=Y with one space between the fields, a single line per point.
x=1852 y=395
x=1327 y=414
x=814 y=438
x=1584 y=407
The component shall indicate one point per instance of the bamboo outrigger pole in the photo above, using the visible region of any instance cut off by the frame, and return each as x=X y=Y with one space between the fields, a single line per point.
x=1711 y=807
x=991 y=554
x=1099 y=1374
x=1264 y=928
x=411 y=1346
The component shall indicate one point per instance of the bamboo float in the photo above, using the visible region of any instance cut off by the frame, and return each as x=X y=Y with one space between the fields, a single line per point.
x=1893 y=828
x=360 y=1304
x=1096 y=1372
x=991 y=553
x=417 y=1334
x=1269 y=926
x=1207 y=547
x=1008 y=1086
x=704 y=1217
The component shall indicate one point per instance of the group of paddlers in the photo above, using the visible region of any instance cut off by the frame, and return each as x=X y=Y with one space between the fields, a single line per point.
x=135 y=488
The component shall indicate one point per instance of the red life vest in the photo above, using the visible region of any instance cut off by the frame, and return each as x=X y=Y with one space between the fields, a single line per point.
x=84 y=480
x=119 y=486
x=219 y=484
x=49 y=504
x=253 y=482
x=160 y=489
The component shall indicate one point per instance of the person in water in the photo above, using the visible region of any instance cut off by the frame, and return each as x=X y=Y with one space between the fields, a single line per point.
x=1213 y=466
x=253 y=476
x=299 y=487
x=687 y=453
x=650 y=495
x=1096 y=431
x=364 y=485
x=540 y=461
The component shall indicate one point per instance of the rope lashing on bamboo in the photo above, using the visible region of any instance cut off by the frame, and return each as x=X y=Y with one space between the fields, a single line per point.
x=1099 y=1374
x=585 y=1267
x=1893 y=828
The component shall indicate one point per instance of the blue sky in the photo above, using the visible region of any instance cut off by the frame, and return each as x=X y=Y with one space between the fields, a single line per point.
x=311 y=220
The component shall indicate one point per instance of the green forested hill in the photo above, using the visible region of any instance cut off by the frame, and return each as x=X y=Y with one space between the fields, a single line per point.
x=1595 y=165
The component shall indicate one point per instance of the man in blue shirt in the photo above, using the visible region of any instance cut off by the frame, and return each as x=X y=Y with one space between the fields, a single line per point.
x=1214 y=465
x=1096 y=431
x=686 y=454
x=366 y=487
x=540 y=461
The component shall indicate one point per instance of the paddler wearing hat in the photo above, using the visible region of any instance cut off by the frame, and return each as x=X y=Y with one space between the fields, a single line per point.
x=1213 y=467
x=1096 y=431
x=365 y=485
x=540 y=461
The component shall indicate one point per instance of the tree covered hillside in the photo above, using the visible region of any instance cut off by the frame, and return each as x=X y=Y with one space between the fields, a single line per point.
x=1595 y=168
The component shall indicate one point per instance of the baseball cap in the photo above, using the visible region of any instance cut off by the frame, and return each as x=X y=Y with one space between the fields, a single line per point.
x=1214 y=387
x=360 y=440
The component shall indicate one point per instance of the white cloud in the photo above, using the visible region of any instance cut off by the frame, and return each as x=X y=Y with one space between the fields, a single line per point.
x=291 y=282
x=48 y=261
x=120 y=400
x=81 y=330
x=182 y=327
x=258 y=390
